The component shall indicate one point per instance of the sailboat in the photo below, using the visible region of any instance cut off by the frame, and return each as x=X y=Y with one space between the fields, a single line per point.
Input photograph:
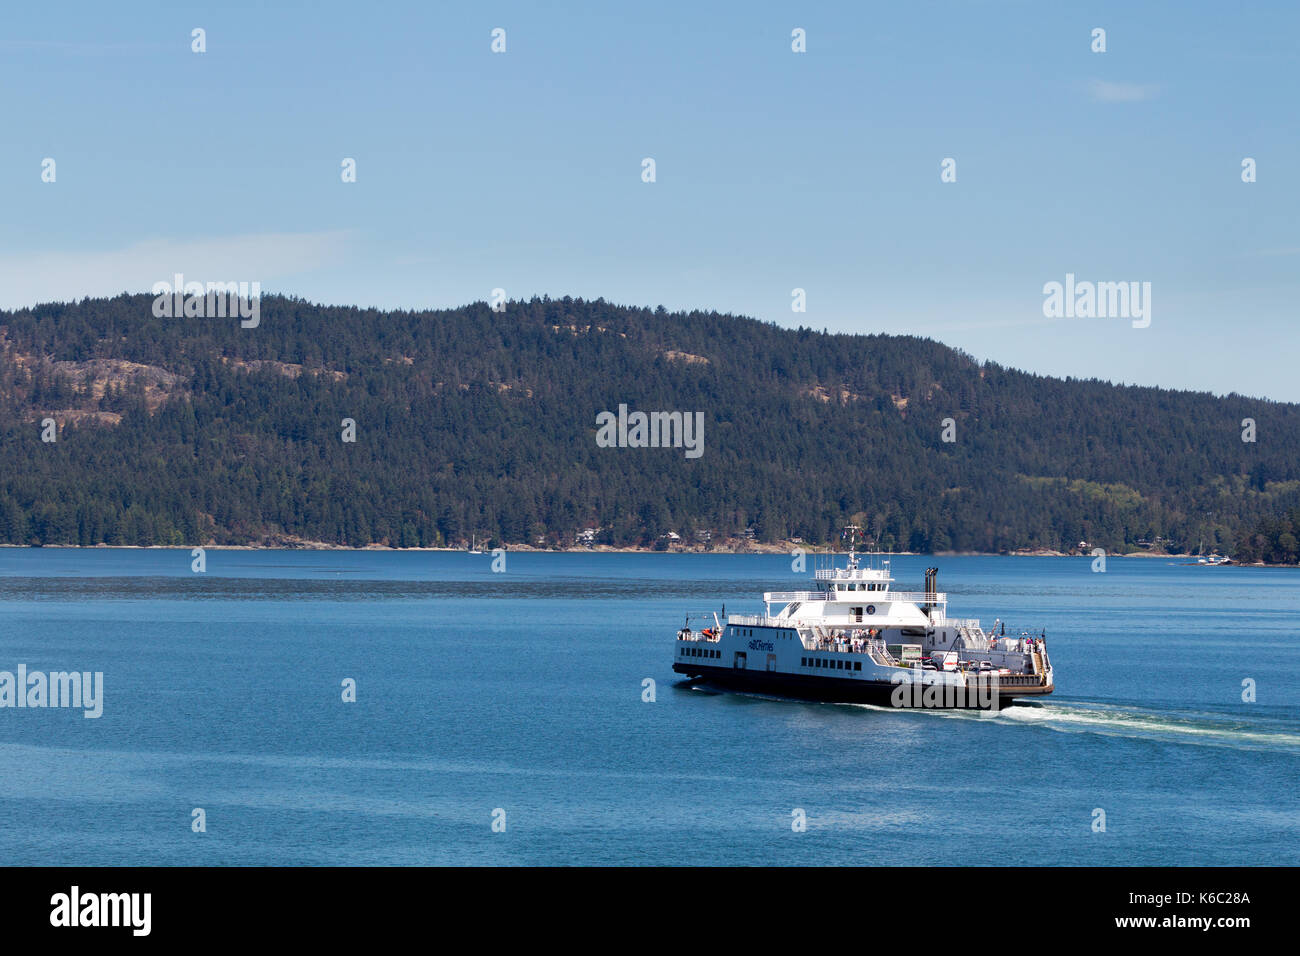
x=473 y=548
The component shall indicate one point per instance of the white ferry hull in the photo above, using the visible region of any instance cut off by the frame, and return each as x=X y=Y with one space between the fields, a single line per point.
x=855 y=640
x=847 y=690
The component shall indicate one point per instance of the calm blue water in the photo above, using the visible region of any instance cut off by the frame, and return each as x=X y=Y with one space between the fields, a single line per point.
x=522 y=691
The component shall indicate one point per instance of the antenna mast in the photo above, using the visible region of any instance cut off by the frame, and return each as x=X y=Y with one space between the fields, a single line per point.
x=853 y=533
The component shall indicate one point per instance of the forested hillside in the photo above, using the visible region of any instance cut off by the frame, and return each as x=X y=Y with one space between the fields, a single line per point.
x=1274 y=540
x=195 y=430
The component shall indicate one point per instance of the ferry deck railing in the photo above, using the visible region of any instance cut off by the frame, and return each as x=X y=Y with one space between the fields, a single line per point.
x=840 y=639
x=757 y=620
x=857 y=597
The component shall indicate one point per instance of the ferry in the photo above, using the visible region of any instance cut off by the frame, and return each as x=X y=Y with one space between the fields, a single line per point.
x=856 y=640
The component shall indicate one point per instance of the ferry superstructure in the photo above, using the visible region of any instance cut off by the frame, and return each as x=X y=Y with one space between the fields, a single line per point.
x=855 y=639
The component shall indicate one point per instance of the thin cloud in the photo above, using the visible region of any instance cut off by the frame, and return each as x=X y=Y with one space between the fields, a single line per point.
x=1104 y=91
x=34 y=277
x=80 y=48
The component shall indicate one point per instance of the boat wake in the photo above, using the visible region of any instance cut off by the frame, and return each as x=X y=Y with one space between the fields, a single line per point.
x=1264 y=732
x=1130 y=720
x=1269 y=732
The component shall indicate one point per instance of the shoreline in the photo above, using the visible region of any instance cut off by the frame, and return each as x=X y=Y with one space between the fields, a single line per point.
x=750 y=548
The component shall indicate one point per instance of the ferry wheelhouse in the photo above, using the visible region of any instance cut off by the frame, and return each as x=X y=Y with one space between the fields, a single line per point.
x=855 y=639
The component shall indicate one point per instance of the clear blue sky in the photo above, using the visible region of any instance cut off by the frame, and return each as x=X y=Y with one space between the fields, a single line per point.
x=775 y=170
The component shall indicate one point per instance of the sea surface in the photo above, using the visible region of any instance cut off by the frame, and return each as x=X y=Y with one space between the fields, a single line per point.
x=519 y=696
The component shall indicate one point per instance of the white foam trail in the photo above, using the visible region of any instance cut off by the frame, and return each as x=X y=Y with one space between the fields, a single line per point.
x=1211 y=729
x=1207 y=729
